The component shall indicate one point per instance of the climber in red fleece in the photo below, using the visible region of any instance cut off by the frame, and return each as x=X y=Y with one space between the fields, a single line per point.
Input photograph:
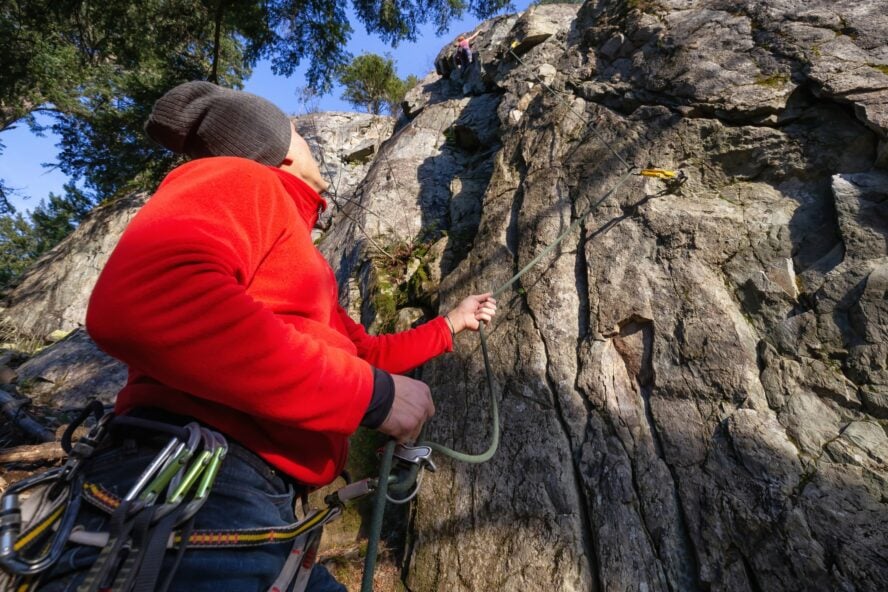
x=225 y=312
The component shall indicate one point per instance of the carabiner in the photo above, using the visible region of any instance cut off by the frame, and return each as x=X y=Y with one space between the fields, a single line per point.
x=62 y=511
x=201 y=461
x=173 y=445
x=218 y=450
x=53 y=509
x=178 y=462
x=206 y=466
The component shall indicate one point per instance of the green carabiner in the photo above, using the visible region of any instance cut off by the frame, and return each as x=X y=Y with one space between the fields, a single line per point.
x=209 y=475
x=152 y=491
x=191 y=475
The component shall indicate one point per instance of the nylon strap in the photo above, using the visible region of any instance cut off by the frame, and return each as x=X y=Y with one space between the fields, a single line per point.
x=125 y=578
x=104 y=500
x=180 y=552
x=119 y=530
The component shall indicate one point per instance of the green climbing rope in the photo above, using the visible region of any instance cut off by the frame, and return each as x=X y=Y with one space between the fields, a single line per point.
x=385 y=468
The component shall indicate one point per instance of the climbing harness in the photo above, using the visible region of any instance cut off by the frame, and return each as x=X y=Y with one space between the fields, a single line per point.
x=156 y=514
x=463 y=57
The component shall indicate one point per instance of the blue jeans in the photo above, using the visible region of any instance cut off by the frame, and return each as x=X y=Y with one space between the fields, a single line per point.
x=247 y=493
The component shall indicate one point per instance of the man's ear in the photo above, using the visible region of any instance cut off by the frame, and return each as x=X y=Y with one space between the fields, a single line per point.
x=287 y=162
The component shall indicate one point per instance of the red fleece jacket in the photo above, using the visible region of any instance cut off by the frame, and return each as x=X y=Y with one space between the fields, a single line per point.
x=223 y=309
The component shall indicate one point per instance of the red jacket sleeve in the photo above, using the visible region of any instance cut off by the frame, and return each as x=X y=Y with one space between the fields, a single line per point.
x=400 y=352
x=172 y=303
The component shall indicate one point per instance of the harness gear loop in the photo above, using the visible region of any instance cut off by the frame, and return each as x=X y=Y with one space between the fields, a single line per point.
x=140 y=528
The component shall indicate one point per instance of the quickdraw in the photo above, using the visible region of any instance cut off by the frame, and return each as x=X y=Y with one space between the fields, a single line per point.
x=658 y=173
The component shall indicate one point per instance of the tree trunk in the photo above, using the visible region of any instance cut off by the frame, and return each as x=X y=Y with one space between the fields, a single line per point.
x=217 y=41
x=32 y=453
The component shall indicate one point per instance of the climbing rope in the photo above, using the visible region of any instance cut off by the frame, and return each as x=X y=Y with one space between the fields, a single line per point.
x=388 y=452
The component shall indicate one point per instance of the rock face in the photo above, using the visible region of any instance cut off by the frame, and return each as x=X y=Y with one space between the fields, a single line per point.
x=71 y=373
x=343 y=144
x=55 y=291
x=693 y=386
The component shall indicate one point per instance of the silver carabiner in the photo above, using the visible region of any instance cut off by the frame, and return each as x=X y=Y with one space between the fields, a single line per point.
x=59 y=520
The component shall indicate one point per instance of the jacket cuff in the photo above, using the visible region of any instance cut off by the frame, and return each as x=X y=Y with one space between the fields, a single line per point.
x=445 y=332
x=381 y=401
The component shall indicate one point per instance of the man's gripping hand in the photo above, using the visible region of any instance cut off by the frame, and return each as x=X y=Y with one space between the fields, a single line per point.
x=411 y=408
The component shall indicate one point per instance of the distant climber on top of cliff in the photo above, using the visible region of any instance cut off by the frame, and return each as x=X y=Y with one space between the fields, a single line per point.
x=464 y=50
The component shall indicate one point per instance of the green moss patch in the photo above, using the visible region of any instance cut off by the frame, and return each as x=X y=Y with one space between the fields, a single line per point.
x=402 y=280
x=774 y=81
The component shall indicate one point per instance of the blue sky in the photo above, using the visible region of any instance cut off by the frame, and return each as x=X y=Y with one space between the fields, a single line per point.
x=25 y=153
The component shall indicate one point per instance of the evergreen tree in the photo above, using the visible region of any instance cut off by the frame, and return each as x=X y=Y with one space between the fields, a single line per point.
x=99 y=67
x=398 y=97
x=24 y=239
x=53 y=219
x=371 y=83
x=18 y=247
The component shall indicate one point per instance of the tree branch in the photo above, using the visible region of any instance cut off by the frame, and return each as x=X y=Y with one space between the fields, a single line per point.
x=32 y=453
x=12 y=408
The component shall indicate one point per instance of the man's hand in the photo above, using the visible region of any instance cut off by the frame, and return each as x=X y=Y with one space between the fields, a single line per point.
x=411 y=408
x=469 y=313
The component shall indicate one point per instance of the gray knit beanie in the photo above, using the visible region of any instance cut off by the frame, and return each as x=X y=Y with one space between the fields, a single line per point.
x=203 y=119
